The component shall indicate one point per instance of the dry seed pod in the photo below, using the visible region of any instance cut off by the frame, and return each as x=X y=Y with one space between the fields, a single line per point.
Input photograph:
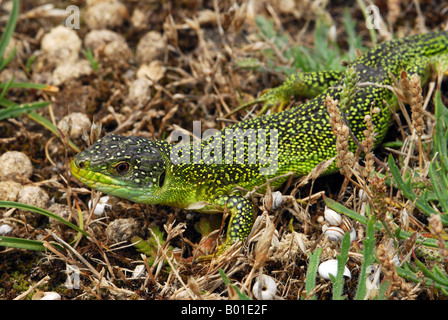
x=332 y=217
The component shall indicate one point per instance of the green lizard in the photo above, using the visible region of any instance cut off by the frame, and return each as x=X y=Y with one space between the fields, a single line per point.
x=143 y=170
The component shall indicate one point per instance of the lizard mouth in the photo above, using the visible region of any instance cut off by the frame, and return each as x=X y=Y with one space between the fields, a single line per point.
x=106 y=184
x=93 y=179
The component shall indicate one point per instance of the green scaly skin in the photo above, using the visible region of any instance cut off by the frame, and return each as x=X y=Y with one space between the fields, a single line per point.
x=141 y=170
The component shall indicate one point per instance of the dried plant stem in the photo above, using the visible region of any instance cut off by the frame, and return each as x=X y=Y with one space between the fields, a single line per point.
x=369 y=142
x=345 y=158
x=416 y=103
x=385 y=257
x=261 y=251
x=412 y=92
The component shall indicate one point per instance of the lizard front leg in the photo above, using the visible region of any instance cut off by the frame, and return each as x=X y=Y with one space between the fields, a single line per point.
x=240 y=224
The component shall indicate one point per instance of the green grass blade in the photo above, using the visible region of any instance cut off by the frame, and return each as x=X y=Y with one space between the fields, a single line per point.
x=338 y=284
x=384 y=288
x=8 y=59
x=313 y=265
x=9 y=30
x=336 y=206
x=439 y=272
x=26 y=244
x=406 y=188
x=28 y=85
x=5 y=88
x=372 y=31
x=89 y=55
x=7 y=103
x=441 y=133
x=368 y=258
x=434 y=276
x=440 y=187
x=411 y=276
x=20 y=109
x=354 y=41
x=19 y=243
x=50 y=126
x=17 y=205
x=225 y=279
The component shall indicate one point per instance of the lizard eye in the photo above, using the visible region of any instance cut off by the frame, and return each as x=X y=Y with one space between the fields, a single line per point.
x=122 y=167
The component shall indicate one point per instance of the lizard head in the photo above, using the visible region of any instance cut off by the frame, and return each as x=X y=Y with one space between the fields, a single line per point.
x=132 y=168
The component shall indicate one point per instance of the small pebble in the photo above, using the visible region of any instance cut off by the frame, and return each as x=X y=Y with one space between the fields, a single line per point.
x=106 y=14
x=61 y=45
x=139 y=18
x=34 y=196
x=108 y=44
x=139 y=91
x=62 y=210
x=75 y=123
x=8 y=73
x=151 y=72
x=70 y=70
x=15 y=164
x=151 y=47
x=9 y=190
x=121 y=230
